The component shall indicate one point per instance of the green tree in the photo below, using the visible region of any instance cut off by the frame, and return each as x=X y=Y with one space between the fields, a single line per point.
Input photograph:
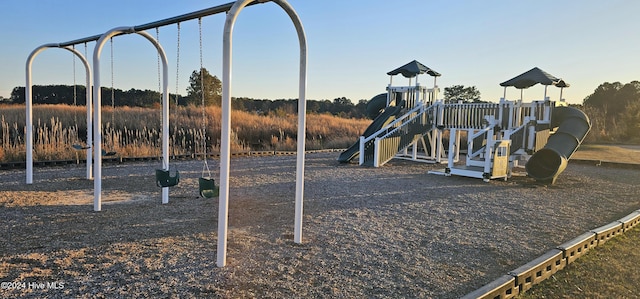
x=212 y=88
x=457 y=93
x=602 y=97
x=615 y=110
x=631 y=119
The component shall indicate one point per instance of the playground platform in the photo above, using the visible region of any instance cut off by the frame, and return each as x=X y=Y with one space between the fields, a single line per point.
x=411 y=122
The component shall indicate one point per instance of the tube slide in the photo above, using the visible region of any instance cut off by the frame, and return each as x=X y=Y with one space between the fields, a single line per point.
x=378 y=123
x=546 y=164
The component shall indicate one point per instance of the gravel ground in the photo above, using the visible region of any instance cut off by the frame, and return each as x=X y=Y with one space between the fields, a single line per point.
x=393 y=231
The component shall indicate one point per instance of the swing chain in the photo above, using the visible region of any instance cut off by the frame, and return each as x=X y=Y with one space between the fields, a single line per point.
x=177 y=64
x=73 y=54
x=113 y=105
x=204 y=118
x=112 y=90
x=158 y=57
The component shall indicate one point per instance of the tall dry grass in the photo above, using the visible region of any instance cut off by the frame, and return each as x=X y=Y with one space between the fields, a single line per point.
x=136 y=132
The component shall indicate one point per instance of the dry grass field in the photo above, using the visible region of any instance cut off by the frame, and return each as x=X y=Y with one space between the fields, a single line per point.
x=135 y=132
x=609 y=153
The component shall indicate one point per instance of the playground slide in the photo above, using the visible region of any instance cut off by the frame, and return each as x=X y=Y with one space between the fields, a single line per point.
x=376 y=105
x=382 y=120
x=546 y=164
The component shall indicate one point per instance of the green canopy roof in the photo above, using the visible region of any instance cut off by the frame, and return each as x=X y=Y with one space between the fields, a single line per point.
x=531 y=78
x=413 y=69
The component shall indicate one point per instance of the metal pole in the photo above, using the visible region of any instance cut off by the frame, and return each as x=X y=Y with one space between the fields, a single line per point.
x=225 y=133
x=223 y=213
x=29 y=110
x=302 y=111
x=97 y=115
x=173 y=20
x=97 y=124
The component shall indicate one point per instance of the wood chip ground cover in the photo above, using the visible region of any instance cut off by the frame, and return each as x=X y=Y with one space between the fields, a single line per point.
x=393 y=231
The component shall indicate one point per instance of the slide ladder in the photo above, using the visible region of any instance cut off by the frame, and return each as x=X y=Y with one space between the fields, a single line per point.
x=407 y=130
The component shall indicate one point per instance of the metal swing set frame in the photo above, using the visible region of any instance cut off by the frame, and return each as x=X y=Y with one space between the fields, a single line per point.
x=94 y=121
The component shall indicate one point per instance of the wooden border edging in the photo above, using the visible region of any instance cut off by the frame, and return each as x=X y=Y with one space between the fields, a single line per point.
x=524 y=277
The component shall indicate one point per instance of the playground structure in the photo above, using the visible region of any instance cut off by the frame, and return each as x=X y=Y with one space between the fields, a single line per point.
x=500 y=136
x=163 y=178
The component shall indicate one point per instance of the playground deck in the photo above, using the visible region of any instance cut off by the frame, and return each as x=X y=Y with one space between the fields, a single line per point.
x=392 y=231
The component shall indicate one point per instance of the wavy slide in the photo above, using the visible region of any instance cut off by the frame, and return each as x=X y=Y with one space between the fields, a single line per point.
x=546 y=164
x=378 y=123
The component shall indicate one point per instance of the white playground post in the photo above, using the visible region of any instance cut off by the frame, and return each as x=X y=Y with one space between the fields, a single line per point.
x=29 y=107
x=97 y=103
x=223 y=213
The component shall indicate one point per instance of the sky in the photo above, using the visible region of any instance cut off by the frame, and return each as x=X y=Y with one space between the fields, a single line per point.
x=351 y=44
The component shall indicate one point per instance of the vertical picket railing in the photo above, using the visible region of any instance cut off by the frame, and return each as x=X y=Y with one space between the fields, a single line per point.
x=401 y=137
x=416 y=121
x=468 y=115
x=511 y=117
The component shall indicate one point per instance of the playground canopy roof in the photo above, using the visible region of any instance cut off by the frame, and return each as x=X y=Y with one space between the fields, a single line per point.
x=533 y=77
x=562 y=84
x=413 y=69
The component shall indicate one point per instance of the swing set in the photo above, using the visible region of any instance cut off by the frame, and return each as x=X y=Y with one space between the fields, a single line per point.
x=163 y=178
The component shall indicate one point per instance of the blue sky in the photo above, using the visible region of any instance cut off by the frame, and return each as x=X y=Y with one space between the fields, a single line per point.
x=352 y=44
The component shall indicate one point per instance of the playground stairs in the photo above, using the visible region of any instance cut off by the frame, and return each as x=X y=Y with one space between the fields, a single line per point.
x=405 y=131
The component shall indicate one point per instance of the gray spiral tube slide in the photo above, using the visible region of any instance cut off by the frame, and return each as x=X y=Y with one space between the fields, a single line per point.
x=546 y=164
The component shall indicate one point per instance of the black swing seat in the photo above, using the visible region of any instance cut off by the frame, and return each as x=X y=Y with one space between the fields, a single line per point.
x=80 y=147
x=108 y=154
x=208 y=187
x=164 y=178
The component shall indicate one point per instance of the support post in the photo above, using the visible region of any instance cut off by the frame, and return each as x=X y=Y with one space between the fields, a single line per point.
x=361 y=150
x=29 y=110
x=451 y=157
x=225 y=154
x=97 y=111
x=376 y=152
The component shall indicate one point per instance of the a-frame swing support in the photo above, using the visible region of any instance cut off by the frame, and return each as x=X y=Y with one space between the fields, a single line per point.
x=29 y=107
x=232 y=9
x=226 y=124
x=97 y=111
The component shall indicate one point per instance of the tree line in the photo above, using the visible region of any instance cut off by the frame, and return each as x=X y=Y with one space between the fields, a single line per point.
x=63 y=94
x=76 y=95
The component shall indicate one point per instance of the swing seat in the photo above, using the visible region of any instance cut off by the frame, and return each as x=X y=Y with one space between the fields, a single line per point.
x=108 y=154
x=80 y=147
x=208 y=187
x=164 y=178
